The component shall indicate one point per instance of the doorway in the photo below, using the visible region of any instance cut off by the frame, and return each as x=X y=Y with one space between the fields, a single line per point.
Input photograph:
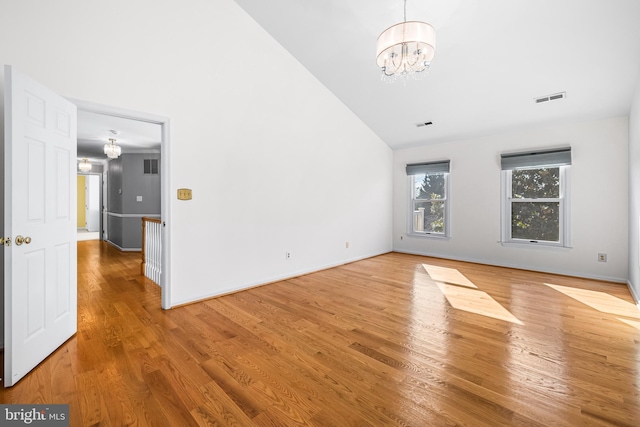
x=89 y=206
x=165 y=164
x=39 y=203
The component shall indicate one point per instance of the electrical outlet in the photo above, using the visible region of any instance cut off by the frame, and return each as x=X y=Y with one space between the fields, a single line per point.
x=287 y=255
x=602 y=257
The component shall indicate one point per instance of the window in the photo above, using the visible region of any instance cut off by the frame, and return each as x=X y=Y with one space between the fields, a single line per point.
x=535 y=197
x=429 y=198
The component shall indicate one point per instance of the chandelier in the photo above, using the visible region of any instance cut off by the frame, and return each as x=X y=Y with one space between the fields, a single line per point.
x=111 y=149
x=405 y=49
x=84 y=165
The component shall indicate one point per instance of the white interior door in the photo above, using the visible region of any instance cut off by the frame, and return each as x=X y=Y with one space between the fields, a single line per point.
x=40 y=219
x=93 y=203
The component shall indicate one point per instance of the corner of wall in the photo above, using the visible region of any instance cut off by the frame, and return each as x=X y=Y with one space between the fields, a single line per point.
x=634 y=195
x=634 y=294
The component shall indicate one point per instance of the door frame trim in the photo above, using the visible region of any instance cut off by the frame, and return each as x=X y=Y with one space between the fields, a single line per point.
x=165 y=164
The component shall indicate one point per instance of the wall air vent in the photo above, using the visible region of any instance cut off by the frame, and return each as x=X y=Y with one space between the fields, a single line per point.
x=555 y=96
x=423 y=124
x=150 y=167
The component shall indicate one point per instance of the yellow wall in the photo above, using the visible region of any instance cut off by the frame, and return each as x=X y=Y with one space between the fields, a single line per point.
x=82 y=201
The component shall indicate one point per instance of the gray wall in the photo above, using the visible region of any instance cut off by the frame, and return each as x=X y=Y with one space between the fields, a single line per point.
x=127 y=182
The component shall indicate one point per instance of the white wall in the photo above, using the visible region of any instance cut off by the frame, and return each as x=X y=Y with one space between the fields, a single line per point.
x=634 y=195
x=275 y=161
x=599 y=199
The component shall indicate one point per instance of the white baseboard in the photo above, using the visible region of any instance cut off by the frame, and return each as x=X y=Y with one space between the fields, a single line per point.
x=124 y=249
x=275 y=279
x=520 y=267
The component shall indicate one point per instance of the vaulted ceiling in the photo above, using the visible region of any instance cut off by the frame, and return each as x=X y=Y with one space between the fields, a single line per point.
x=493 y=57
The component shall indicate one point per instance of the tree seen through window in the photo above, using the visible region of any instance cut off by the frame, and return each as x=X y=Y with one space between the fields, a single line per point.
x=535 y=204
x=429 y=203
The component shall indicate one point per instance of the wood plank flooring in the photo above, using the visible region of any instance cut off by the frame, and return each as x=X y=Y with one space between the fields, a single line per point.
x=395 y=340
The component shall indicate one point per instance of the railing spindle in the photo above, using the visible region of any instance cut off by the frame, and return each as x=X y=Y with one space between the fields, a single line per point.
x=151 y=265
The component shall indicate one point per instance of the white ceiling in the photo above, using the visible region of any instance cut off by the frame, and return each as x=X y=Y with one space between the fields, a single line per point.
x=134 y=136
x=493 y=57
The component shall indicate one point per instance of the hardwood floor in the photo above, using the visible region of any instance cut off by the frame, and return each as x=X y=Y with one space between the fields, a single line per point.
x=392 y=340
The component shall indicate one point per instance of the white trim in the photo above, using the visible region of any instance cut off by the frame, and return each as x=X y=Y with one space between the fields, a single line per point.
x=439 y=236
x=564 y=207
x=165 y=211
x=565 y=173
x=142 y=151
x=273 y=279
x=165 y=182
x=620 y=280
x=447 y=209
x=119 y=215
x=529 y=245
x=124 y=249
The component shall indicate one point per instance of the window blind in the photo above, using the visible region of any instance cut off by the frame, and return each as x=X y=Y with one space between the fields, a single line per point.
x=430 y=167
x=543 y=158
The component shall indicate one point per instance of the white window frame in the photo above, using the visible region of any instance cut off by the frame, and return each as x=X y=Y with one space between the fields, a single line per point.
x=446 y=200
x=564 y=221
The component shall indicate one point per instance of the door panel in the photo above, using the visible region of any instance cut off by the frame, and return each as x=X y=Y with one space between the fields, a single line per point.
x=35 y=181
x=64 y=171
x=36 y=291
x=40 y=182
x=62 y=295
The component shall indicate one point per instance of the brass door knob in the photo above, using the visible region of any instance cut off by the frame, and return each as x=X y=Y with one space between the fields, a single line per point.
x=19 y=240
x=27 y=240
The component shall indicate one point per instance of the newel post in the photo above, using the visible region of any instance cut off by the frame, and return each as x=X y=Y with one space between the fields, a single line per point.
x=144 y=231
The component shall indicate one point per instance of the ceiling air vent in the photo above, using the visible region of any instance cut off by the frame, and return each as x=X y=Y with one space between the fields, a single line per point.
x=555 y=96
x=423 y=124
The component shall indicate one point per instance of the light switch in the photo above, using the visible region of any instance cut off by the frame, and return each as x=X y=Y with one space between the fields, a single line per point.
x=138 y=198
x=184 y=194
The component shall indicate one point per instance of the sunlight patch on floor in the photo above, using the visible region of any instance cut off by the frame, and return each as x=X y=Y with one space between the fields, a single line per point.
x=448 y=275
x=633 y=323
x=464 y=295
x=600 y=301
x=476 y=301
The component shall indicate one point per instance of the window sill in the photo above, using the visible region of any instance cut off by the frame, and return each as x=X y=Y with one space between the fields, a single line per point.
x=429 y=236
x=541 y=245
